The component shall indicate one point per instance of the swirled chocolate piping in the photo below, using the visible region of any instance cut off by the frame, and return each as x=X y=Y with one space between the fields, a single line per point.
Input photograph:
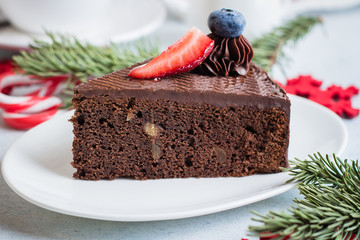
x=230 y=57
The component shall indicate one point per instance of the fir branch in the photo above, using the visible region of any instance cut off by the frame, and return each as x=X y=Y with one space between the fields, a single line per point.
x=330 y=208
x=268 y=49
x=333 y=172
x=66 y=55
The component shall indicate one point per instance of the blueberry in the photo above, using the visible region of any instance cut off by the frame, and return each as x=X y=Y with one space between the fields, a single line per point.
x=226 y=23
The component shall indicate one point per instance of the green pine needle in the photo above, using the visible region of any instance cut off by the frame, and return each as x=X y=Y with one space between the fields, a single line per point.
x=330 y=208
x=66 y=55
x=268 y=49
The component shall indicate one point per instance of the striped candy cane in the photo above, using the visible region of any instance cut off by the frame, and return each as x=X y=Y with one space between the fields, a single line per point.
x=35 y=104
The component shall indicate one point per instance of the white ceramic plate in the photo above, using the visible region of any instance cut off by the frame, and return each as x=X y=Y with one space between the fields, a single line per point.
x=125 y=21
x=37 y=167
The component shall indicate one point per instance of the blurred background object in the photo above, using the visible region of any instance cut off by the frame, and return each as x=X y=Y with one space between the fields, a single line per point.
x=113 y=21
x=261 y=15
x=101 y=21
x=69 y=16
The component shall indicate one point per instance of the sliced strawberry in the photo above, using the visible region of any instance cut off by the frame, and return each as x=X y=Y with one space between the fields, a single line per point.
x=185 y=54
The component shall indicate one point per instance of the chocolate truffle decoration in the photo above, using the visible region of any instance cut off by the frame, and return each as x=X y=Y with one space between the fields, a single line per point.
x=231 y=56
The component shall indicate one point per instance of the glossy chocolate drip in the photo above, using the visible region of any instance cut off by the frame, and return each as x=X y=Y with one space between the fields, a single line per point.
x=230 y=57
x=253 y=89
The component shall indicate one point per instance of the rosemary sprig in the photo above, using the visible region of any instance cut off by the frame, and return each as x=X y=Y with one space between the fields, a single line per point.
x=268 y=49
x=330 y=208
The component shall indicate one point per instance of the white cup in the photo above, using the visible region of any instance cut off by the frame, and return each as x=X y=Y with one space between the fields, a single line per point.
x=61 y=16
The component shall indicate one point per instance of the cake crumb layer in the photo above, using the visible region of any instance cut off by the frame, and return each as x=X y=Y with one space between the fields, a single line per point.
x=150 y=139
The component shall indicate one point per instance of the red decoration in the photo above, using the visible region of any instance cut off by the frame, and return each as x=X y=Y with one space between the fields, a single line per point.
x=274 y=236
x=35 y=106
x=334 y=97
x=352 y=237
x=6 y=66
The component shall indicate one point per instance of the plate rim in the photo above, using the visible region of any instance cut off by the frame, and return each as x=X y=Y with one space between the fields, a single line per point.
x=168 y=215
x=338 y=119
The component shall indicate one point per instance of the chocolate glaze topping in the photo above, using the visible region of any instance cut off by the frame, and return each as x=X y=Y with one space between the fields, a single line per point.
x=253 y=89
x=230 y=57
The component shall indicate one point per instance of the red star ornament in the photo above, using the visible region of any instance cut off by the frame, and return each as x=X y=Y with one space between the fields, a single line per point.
x=335 y=97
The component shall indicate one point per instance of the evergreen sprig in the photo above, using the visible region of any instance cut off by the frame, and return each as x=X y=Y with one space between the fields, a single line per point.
x=66 y=55
x=268 y=49
x=330 y=208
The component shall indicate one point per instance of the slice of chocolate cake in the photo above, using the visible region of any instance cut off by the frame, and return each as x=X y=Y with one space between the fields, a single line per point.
x=225 y=118
x=188 y=125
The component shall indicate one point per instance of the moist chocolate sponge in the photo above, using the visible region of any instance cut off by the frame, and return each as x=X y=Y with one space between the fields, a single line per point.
x=187 y=125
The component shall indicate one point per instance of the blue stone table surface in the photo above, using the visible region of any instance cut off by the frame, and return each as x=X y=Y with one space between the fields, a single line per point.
x=331 y=52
